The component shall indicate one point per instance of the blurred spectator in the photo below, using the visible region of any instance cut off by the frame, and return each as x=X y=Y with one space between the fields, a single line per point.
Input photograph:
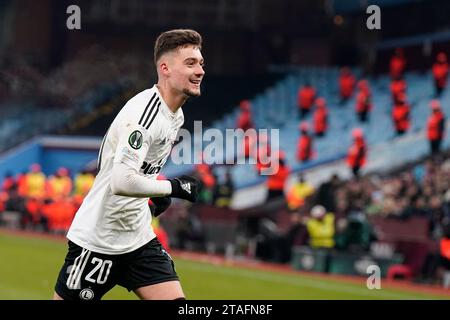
x=397 y=64
x=398 y=87
x=161 y=234
x=304 y=144
x=363 y=101
x=244 y=120
x=275 y=245
x=223 y=192
x=440 y=73
x=59 y=214
x=305 y=99
x=325 y=195
x=435 y=127
x=8 y=182
x=34 y=182
x=357 y=153
x=346 y=84
x=320 y=117
x=276 y=181
x=208 y=181
x=299 y=193
x=32 y=216
x=401 y=115
x=83 y=183
x=22 y=185
x=3 y=199
x=189 y=231
x=60 y=184
x=321 y=229
x=357 y=233
x=296 y=235
x=440 y=260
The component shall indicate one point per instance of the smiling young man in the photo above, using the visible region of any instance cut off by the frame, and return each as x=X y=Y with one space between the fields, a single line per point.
x=110 y=239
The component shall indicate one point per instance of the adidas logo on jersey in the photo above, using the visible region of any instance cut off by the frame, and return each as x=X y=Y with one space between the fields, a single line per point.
x=186 y=187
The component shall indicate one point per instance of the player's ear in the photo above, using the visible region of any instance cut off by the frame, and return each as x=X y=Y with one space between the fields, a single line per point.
x=164 y=68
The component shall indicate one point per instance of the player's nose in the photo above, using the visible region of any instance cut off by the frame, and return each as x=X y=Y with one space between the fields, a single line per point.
x=199 y=71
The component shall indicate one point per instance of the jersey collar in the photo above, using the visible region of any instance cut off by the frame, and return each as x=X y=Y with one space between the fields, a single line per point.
x=164 y=107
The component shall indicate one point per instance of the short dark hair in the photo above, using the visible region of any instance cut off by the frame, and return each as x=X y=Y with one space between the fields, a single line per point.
x=171 y=40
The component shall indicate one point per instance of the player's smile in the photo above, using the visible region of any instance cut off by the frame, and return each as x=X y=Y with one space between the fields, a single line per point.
x=196 y=83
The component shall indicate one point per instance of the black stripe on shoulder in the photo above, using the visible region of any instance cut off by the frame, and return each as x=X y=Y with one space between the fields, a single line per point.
x=146 y=108
x=154 y=116
x=152 y=111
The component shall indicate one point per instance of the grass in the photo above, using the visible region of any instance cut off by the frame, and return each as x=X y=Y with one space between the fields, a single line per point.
x=29 y=268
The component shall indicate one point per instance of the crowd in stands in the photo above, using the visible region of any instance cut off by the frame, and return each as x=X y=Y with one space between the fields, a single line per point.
x=45 y=203
x=216 y=191
x=29 y=93
x=87 y=69
x=309 y=101
x=337 y=214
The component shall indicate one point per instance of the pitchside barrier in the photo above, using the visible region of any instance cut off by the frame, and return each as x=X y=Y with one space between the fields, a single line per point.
x=331 y=261
x=404 y=242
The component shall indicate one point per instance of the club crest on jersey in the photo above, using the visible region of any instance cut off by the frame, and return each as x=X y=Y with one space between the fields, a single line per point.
x=86 y=294
x=135 y=139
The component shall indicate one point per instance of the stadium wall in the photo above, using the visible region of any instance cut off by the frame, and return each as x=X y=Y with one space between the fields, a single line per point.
x=20 y=158
x=73 y=153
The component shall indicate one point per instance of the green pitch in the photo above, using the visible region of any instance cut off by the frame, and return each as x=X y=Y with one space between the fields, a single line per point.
x=29 y=267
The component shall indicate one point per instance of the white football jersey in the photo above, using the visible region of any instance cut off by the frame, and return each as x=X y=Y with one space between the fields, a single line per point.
x=141 y=136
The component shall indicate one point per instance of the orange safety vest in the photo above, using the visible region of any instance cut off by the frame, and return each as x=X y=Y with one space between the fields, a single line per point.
x=363 y=102
x=445 y=247
x=356 y=156
x=163 y=237
x=306 y=97
x=205 y=175
x=435 y=127
x=440 y=72
x=320 y=119
x=346 y=85
x=245 y=120
x=400 y=116
x=397 y=87
x=397 y=65
x=277 y=180
x=304 y=148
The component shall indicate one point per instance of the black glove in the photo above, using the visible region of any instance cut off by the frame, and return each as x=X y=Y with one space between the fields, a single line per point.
x=185 y=187
x=160 y=204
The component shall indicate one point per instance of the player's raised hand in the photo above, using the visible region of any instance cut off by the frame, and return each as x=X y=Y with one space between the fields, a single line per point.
x=160 y=204
x=185 y=187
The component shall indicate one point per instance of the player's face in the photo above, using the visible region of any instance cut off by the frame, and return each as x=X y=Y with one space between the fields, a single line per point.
x=187 y=71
